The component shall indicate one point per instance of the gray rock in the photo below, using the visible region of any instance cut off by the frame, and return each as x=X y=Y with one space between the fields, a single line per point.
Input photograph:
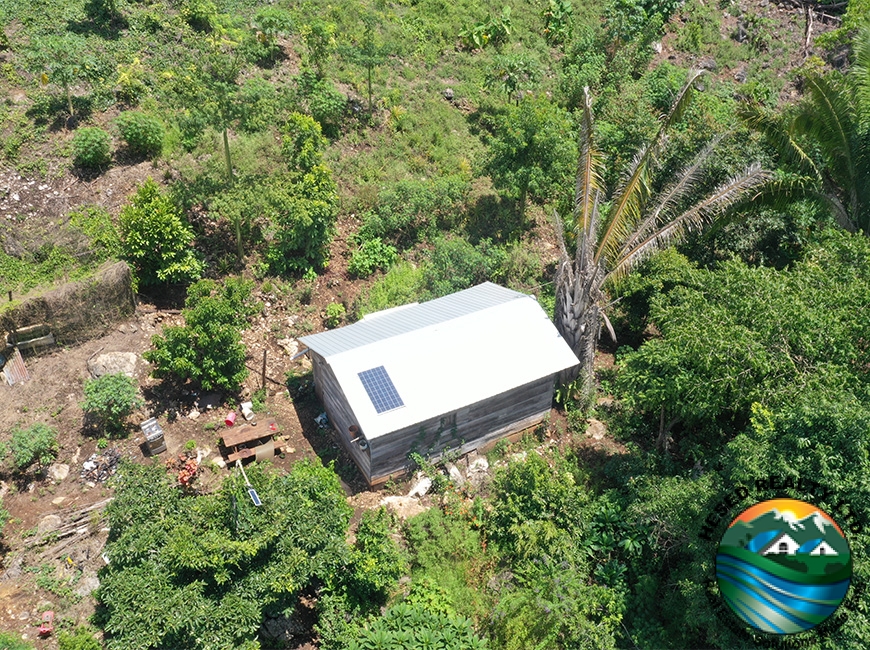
x=290 y=346
x=478 y=471
x=740 y=76
x=88 y=584
x=455 y=475
x=48 y=524
x=708 y=63
x=421 y=487
x=113 y=363
x=596 y=429
x=58 y=472
x=448 y=94
x=404 y=507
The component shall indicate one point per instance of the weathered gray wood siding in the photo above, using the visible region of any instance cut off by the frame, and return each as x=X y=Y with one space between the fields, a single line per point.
x=338 y=410
x=465 y=429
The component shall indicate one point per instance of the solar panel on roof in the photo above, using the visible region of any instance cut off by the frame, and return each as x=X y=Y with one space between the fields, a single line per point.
x=380 y=389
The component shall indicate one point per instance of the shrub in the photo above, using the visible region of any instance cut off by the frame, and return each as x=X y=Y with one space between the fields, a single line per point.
x=335 y=313
x=373 y=254
x=96 y=223
x=80 y=639
x=455 y=265
x=155 y=238
x=12 y=642
x=303 y=142
x=36 y=444
x=401 y=285
x=142 y=133
x=412 y=210
x=92 y=147
x=208 y=349
x=111 y=398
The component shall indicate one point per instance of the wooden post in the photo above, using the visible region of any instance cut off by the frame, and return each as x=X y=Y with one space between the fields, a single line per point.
x=10 y=296
x=263 y=375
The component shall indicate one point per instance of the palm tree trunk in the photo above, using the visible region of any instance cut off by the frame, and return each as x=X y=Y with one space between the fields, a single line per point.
x=578 y=320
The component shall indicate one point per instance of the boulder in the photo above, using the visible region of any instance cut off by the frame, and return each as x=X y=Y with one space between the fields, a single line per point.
x=112 y=363
x=421 y=487
x=58 y=472
x=456 y=476
x=596 y=429
x=48 y=524
x=404 y=507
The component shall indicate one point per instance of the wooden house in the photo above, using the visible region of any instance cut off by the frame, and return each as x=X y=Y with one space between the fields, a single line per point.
x=452 y=373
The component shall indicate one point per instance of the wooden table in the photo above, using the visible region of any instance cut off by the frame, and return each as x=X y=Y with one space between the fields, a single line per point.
x=239 y=442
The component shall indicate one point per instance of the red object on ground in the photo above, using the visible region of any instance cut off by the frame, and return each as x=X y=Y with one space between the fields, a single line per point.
x=47 y=626
x=231 y=418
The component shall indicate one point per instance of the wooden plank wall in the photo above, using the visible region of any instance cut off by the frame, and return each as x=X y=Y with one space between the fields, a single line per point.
x=475 y=425
x=338 y=410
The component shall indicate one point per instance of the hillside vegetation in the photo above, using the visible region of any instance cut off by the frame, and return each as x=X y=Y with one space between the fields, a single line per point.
x=406 y=150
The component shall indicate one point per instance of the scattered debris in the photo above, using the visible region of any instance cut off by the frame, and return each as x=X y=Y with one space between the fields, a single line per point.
x=187 y=466
x=322 y=421
x=456 y=476
x=100 y=467
x=193 y=415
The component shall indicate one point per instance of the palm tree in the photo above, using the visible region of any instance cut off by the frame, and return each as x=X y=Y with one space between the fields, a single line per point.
x=826 y=141
x=613 y=237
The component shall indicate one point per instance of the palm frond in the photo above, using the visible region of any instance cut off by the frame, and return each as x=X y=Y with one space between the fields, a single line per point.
x=861 y=71
x=701 y=213
x=671 y=195
x=589 y=167
x=829 y=119
x=779 y=133
x=629 y=197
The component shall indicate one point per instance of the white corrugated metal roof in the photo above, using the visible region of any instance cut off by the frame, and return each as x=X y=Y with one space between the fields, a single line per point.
x=444 y=354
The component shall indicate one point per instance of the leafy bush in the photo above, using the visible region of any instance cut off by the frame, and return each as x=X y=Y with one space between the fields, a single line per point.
x=36 y=444
x=302 y=142
x=207 y=349
x=401 y=285
x=377 y=562
x=409 y=627
x=176 y=557
x=156 y=240
x=324 y=101
x=492 y=31
x=335 y=313
x=410 y=211
x=96 y=223
x=92 y=147
x=13 y=642
x=455 y=265
x=80 y=639
x=373 y=254
x=301 y=212
x=111 y=398
x=142 y=133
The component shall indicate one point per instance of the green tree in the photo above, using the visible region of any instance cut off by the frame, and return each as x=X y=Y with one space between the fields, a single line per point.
x=37 y=444
x=207 y=349
x=368 y=51
x=319 y=37
x=741 y=335
x=205 y=571
x=512 y=74
x=302 y=144
x=529 y=154
x=110 y=399
x=825 y=140
x=64 y=60
x=155 y=238
x=615 y=232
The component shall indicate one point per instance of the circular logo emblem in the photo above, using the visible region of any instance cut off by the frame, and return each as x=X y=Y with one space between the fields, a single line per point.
x=783 y=566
